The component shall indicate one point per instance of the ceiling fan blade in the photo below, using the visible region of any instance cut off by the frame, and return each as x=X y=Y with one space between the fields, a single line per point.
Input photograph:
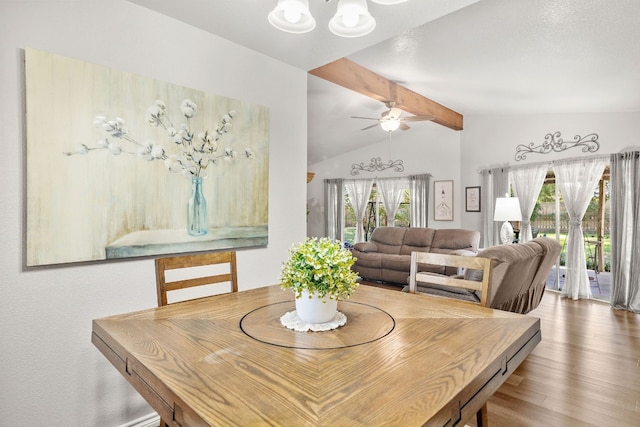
x=369 y=127
x=365 y=118
x=417 y=118
x=403 y=126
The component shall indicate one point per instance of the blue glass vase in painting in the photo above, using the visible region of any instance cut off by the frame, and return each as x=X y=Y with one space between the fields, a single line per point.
x=197 y=209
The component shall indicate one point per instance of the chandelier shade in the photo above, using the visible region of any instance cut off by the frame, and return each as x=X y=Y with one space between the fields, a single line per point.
x=352 y=19
x=292 y=16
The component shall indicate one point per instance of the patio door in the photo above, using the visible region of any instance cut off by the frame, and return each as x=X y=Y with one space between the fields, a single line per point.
x=550 y=218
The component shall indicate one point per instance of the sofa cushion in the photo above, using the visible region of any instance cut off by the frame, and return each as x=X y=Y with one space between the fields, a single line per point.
x=388 y=239
x=417 y=239
x=394 y=276
x=397 y=262
x=459 y=240
x=367 y=273
x=368 y=259
x=447 y=240
x=403 y=263
x=366 y=247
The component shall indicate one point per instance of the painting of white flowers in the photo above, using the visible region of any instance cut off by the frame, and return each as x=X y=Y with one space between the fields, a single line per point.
x=120 y=165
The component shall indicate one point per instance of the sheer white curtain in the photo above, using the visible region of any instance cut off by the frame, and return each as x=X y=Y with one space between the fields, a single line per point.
x=391 y=190
x=334 y=208
x=495 y=183
x=359 y=191
x=527 y=183
x=419 y=193
x=625 y=231
x=577 y=181
x=486 y=216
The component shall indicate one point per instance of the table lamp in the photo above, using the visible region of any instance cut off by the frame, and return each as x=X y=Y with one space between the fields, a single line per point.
x=507 y=209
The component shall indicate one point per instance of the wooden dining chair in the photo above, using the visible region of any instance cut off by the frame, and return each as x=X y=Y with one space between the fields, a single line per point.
x=186 y=265
x=484 y=265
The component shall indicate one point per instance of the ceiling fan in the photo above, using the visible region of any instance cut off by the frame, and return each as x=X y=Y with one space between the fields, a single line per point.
x=391 y=119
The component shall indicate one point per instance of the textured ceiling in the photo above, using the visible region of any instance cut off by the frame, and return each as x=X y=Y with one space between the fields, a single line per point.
x=506 y=56
x=245 y=22
x=476 y=57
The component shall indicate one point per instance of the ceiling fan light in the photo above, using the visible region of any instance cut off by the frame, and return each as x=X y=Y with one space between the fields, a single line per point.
x=292 y=16
x=389 y=125
x=388 y=1
x=394 y=113
x=352 y=19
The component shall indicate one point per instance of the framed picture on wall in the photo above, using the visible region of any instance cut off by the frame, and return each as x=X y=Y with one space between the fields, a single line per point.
x=121 y=157
x=472 y=199
x=443 y=200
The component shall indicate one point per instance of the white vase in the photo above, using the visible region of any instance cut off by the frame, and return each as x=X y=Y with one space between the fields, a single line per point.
x=315 y=309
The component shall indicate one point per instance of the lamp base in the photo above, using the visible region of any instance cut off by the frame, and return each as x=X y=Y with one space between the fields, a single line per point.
x=506 y=233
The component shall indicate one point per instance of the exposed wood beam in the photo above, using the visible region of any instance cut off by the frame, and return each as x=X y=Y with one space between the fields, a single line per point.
x=350 y=75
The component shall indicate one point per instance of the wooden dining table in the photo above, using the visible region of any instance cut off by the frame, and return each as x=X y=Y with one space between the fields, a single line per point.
x=401 y=359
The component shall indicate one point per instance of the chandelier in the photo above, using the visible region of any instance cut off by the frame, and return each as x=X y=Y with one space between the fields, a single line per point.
x=352 y=18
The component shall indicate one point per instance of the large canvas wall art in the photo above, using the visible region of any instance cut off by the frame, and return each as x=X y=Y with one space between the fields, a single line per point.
x=120 y=165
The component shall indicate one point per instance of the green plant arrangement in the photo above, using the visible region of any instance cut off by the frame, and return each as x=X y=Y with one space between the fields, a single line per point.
x=321 y=266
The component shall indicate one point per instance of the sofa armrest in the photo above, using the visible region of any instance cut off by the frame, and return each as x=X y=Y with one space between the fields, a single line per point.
x=463 y=252
x=366 y=247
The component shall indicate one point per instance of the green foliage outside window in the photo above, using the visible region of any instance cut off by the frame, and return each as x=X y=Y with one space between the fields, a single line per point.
x=402 y=218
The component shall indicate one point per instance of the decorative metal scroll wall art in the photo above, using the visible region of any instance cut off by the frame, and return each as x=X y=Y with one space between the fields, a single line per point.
x=553 y=142
x=376 y=165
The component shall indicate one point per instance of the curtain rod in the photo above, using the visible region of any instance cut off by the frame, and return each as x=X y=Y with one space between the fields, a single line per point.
x=634 y=153
x=551 y=162
x=388 y=177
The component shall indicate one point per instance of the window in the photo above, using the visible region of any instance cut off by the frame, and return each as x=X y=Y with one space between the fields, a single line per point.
x=550 y=217
x=375 y=215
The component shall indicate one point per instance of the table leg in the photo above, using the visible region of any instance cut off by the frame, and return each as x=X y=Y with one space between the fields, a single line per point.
x=482 y=420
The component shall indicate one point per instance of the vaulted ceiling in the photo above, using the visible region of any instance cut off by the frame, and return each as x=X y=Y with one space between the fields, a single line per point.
x=487 y=57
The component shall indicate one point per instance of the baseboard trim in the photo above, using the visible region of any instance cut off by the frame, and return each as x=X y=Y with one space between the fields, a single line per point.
x=151 y=420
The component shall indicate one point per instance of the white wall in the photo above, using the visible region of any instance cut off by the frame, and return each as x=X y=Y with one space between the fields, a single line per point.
x=425 y=148
x=489 y=141
x=50 y=372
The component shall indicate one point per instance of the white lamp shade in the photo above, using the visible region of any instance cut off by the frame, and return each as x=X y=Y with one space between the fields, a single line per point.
x=507 y=209
x=388 y=1
x=292 y=16
x=352 y=19
x=389 y=125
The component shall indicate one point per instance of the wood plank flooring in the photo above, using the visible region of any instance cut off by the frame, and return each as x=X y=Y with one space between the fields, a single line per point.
x=585 y=372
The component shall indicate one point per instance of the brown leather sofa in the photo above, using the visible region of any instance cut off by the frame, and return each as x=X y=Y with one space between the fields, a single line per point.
x=520 y=273
x=386 y=257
